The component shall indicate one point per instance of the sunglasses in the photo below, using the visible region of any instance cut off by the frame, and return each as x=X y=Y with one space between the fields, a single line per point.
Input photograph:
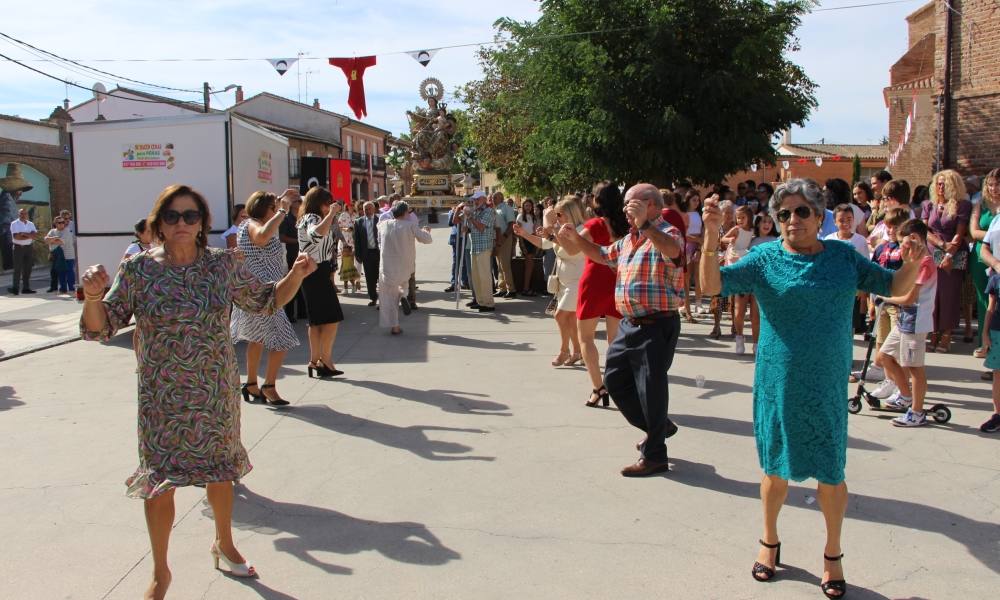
x=802 y=212
x=172 y=217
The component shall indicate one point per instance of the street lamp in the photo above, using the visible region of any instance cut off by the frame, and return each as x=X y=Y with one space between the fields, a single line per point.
x=206 y=91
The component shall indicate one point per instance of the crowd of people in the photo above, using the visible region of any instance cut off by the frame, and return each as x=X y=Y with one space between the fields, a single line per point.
x=801 y=261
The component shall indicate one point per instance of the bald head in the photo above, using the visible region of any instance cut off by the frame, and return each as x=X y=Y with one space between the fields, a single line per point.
x=645 y=191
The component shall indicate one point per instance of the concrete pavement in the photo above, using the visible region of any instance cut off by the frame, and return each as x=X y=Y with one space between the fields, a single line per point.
x=454 y=462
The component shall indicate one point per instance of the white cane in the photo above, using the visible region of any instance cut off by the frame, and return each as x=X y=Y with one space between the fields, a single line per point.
x=461 y=260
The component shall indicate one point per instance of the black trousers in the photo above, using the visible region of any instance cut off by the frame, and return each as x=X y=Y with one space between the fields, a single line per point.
x=370 y=263
x=636 y=377
x=24 y=259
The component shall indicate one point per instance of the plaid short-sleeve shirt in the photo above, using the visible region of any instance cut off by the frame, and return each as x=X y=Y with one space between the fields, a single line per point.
x=482 y=241
x=648 y=282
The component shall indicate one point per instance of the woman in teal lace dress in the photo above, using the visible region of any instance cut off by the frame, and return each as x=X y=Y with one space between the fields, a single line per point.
x=189 y=411
x=805 y=289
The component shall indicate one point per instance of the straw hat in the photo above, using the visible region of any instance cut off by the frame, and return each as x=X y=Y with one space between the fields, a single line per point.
x=14 y=182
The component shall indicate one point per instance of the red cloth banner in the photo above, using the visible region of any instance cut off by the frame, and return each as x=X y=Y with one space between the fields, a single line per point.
x=340 y=179
x=354 y=70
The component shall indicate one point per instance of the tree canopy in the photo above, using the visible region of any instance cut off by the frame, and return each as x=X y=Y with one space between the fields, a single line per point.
x=630 y=90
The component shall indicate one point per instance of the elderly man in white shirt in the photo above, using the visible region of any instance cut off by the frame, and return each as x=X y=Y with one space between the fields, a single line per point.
x=398 y=262
x=23 y=233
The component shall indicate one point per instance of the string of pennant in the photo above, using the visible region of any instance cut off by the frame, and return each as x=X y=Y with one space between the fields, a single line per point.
x=911 y=122
x=354 y=69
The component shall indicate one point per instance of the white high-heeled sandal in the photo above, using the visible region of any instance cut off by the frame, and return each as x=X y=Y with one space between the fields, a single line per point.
x=244 y=569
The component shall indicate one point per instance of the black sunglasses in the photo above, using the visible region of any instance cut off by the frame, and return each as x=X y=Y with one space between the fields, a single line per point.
x=802 y=212
x=191 y=217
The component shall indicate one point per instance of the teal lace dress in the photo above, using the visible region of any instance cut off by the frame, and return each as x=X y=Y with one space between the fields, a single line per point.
x=804 y=352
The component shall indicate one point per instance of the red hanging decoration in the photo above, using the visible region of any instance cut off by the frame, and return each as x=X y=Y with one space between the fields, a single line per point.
x=354 y=69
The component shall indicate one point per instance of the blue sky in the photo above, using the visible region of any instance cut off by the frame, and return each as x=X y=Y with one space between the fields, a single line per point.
x=846 y=52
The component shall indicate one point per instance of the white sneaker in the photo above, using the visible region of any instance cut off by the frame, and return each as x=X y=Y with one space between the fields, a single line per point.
x=876 y=373
x=912 y=418
x=885 y=389
x=898 y=401
x=740 y=346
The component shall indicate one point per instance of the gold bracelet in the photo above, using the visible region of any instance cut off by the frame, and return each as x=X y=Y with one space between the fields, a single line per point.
x=93 y=298
x=709 y=253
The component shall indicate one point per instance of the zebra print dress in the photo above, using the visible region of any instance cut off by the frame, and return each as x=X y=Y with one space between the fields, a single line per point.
x=267 y=263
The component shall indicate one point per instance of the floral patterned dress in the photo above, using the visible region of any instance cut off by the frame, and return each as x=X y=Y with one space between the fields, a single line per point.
x=189 y=408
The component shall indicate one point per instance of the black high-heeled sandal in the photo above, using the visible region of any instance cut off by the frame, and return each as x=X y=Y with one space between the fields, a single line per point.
x=602 y=397
x=330 y=371
x=273 y=401
x=834 y=585
x=762 y=572
x=247 y=394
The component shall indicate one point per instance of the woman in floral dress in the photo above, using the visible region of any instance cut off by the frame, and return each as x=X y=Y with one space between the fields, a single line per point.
x=189 y=410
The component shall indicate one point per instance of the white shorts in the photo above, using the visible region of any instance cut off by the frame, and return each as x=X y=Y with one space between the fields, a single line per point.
x=907 y=348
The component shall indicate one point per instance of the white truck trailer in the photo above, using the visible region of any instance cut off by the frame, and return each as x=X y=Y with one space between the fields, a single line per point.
x=120 y=167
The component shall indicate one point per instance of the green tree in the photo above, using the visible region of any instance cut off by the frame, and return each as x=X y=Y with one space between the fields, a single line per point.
x=634 y=90
x=856 y=169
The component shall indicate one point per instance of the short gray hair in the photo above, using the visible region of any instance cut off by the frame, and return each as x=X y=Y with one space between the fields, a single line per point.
x=400 y=208
x=807 y=188
x=646 y=191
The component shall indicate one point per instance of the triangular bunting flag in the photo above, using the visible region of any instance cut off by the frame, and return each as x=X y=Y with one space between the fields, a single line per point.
x=281 y=65
x=423 y=56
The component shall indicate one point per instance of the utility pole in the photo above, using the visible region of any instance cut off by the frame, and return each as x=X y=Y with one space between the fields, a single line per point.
x=205 y=96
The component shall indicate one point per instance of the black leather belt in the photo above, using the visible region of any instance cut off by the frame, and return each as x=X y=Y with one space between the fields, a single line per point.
x=652 y=318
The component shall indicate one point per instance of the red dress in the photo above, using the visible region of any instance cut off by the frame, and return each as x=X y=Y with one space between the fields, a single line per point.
x=596 y=291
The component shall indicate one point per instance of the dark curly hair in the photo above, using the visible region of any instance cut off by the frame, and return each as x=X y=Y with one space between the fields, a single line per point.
x=610 y=206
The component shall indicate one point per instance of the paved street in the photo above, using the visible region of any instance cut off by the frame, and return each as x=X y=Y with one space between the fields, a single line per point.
x=454 y=462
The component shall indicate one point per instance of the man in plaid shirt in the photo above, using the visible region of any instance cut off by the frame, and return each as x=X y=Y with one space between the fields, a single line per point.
x=648 y=294
x=482 y=239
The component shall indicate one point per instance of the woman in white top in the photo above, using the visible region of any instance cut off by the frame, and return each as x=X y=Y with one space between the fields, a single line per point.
x=737 y=245
x=569 y=268
x=526 y=220
x=693 y=249
x=142 y=241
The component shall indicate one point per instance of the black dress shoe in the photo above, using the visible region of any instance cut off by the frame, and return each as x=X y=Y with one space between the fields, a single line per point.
x=449 y=289
x=499 y=294
x=407 y=309
x=413 y=305
x=472 y=304
x=466 y=287
x=645 y=468
x=373 y=303
x=510 y=295
x=28 y=291
x=487 y=308
x=13 y=290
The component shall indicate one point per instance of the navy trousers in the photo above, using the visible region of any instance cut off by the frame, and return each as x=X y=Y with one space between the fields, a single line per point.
x=636 y=377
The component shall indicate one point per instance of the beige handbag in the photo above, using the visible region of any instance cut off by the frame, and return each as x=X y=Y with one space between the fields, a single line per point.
x=552 y=285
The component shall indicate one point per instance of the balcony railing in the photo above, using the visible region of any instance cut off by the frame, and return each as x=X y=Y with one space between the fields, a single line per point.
x=360 y=161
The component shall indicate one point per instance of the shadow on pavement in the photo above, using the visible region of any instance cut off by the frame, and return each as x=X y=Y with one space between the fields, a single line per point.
x=745 y=428
x=712 y=387
x=312 y=529
x=467 y=342
x=413 y=438
x=8 y=398
x=451 y=401
x=978 y=537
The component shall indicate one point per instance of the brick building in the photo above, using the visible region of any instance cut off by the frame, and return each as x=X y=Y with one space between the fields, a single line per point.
x=42 y=150
x=365 y=145
x=816 y=161
x=950 y=75
x=339 y=136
